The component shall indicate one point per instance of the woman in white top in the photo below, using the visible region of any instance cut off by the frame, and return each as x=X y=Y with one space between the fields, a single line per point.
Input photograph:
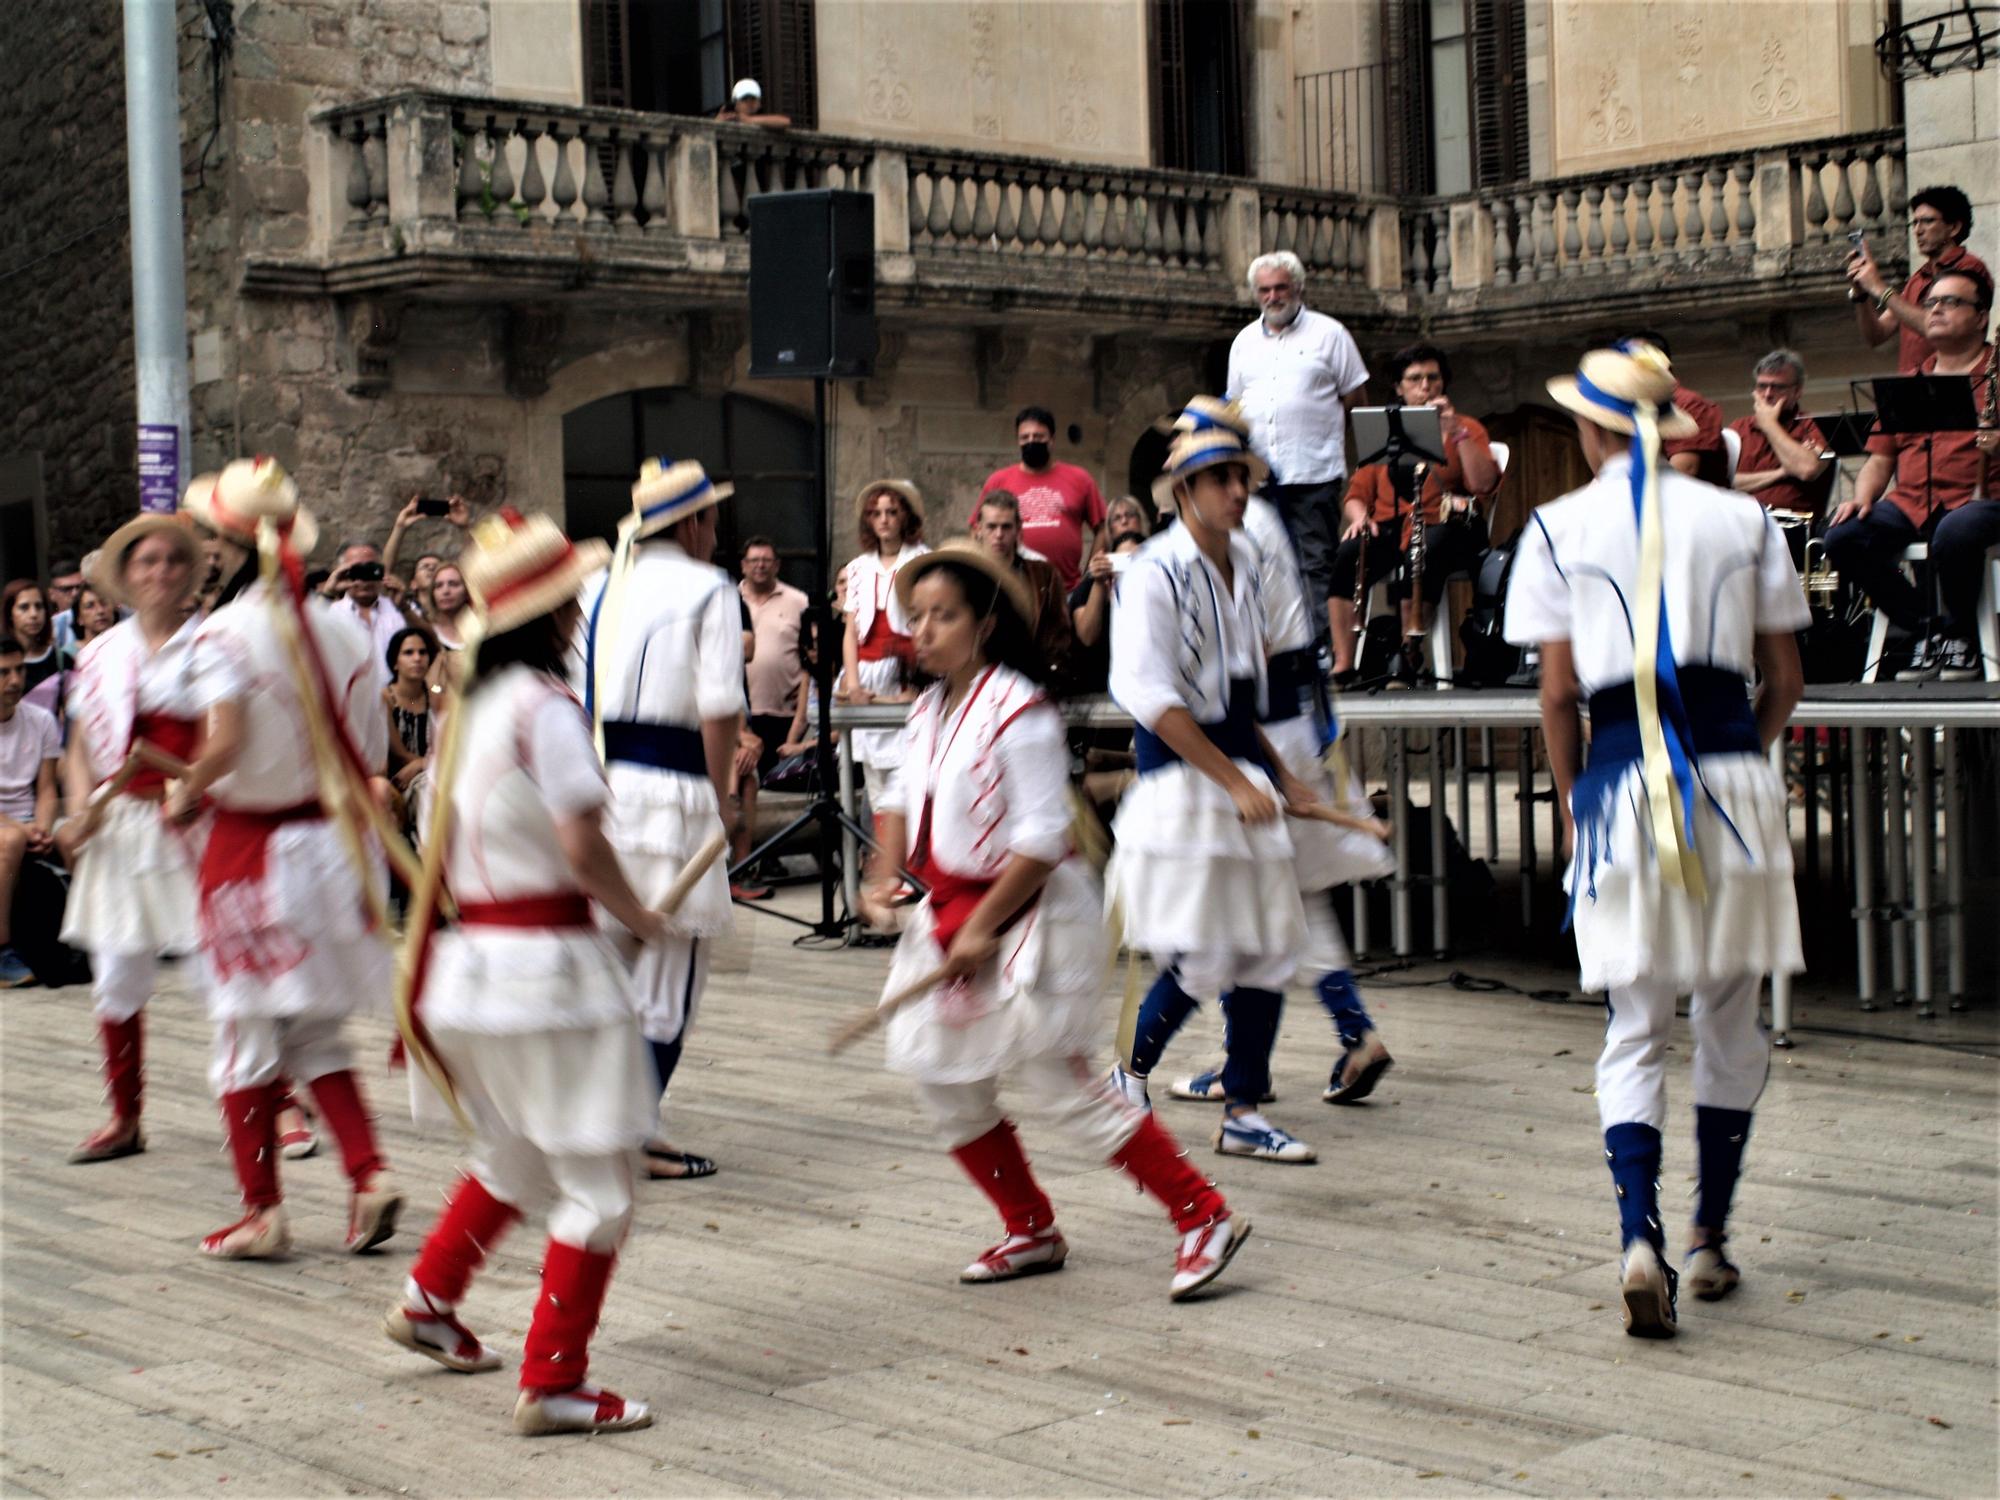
x=876 y=654
x=1013 y=922
x=1657 y=599
x=523 y=1011
x=132 y=900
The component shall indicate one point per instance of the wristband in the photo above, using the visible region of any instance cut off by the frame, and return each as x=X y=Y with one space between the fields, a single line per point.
x=1882 y=302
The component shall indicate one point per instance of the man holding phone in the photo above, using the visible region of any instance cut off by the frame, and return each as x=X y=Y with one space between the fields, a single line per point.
x=1940 y=219
x=357 y=578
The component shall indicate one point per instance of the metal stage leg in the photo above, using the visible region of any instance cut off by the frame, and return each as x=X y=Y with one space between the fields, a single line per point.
x=1837 y=746
x=1399 y=821
x=1954 y=872
x=1896 y=865
x=1781 y=984
x=1863 y=910
x=1923 y=838
x=1524 y=780
x=1460 y=743
x=1492 y=779
x=1810 y=763
x=1440 y=897
x=850 y=846
x=1359 y=890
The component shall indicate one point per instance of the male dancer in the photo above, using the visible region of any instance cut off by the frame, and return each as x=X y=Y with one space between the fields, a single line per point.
x=663 y=680
x=1658 y=599
x=1299 y=726
x=1203 y=874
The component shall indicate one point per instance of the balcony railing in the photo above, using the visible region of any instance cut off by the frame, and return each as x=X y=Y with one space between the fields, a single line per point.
x=419 y=189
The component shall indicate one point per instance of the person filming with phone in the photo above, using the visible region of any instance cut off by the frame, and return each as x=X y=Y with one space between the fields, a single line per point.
x=1940 y=220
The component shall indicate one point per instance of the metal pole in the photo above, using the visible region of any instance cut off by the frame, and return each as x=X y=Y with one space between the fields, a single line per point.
x=1358 y=764
x=1863 y=910
x=1781 y=984
x=850 y=846
x=1811 y=768
x=1440 y=903
x=1399 y=821
x=1896 y=866
x=1954 y=872
x=159 y=272
x=1923 y=830
x=1491 y=776
x=1524 y=807
x=1460 y=743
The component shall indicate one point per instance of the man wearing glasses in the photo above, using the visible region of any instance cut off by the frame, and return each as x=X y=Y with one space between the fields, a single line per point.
x=1940 y=219
x=1784 y=461
x=1945 y=484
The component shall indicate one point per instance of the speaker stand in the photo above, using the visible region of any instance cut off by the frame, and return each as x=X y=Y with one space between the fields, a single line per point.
x=825 y=812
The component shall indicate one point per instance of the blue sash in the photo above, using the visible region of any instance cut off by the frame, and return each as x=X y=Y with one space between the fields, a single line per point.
x=664 y=747
x=1235 y=736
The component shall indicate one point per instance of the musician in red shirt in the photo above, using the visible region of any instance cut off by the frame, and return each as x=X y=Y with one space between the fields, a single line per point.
x=1453 y=535
x=1784 y=461
x=1945 y=484
x=1940 y=220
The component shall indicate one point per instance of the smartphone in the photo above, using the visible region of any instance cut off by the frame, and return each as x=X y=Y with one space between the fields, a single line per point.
x=1858 y=238
x=429 y=507
x=1120 y=561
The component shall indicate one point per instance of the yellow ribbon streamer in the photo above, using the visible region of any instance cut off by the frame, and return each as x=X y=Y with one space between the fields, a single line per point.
x=604 y=623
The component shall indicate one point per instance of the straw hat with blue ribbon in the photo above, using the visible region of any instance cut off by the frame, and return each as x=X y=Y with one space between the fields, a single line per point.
x=1207 y=433
x=1630 y=389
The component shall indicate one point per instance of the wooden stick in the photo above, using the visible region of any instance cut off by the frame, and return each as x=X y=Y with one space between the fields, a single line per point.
x=854 y=1030
x=151 y=756
x=1320 y=812
x=692 y=871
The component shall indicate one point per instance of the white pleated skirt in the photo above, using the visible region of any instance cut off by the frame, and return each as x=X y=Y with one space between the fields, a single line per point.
x=582 y=1092
x=1327 y=855
x=658 y=819
x=134 y=888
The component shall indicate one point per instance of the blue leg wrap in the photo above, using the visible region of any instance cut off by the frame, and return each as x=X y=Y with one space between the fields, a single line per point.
x=1719 y=1138
x=1162 y=1013
x=1633 y=1152
x=1251 y=1029
x=1343 y=1002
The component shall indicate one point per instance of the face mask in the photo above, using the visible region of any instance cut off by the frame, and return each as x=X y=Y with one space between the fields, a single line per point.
x=1035 y=455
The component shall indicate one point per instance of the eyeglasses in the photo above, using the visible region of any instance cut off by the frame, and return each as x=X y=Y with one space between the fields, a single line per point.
x=1930 y=221
x=1947 y=302
x=1774 y=385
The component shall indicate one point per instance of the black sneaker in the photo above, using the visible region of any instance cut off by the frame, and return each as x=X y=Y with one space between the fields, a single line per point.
x=1924 y=662
x=1958 y=661
x=1408 y=662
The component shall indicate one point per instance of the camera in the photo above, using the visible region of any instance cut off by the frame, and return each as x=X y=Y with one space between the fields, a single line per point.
x=362 y=572
x=429 y=507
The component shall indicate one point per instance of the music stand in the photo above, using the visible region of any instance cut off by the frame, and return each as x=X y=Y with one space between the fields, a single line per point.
x=1846 y=432
x=1924 y=403
x=1399 y=435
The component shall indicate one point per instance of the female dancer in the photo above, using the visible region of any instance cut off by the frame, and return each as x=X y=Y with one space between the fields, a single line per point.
x=524 y=1008
x=287 y=904
x=1012 y=928
x=875 y=651
x=133 y=897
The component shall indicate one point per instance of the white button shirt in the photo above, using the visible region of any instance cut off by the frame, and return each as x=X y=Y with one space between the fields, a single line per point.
x=1291 y=385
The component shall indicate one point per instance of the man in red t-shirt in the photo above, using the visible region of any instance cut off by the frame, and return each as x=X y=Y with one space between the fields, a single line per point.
x=1702 y=455
x=1944 y=488
x=1453 y=534
x=1061 y=509
x=1940 y=219
x=1784 y=461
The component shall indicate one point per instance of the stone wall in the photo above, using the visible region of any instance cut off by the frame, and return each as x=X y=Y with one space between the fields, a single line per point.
x=1953 y=128
x=66 y=373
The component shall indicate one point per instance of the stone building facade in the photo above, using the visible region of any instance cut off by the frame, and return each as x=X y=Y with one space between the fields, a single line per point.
x=420 y=260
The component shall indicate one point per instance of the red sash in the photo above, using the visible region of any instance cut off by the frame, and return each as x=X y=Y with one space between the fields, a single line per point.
x=883 y=641
x=953 y=898
x=557 y=909
x=177 y=736
x=239 y=840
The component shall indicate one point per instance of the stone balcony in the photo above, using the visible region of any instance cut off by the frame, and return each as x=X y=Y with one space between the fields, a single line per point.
x=440 y=197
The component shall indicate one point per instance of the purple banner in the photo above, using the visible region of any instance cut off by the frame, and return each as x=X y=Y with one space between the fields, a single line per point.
x=159 y=468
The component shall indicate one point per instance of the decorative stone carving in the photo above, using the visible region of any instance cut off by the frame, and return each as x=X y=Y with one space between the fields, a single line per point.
x=997 y=354
x=1076 y=120
x=371 y=325
x=533 y=330
x=714 y=337
x=886 y=96
x=1776 y=94
x=1612 y=121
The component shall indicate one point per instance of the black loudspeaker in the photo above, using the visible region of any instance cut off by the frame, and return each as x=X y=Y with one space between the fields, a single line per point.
x=812 y=285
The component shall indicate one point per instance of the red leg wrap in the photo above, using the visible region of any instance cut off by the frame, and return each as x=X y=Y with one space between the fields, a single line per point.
x=251 y=1118
x=472 y=1225
x=124 y=1063
x=1156 y=1160
x=557 y=1353
x=339 y=1101
x=999 y=1168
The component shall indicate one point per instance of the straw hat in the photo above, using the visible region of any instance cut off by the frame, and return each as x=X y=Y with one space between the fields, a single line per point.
x=667 y=492
x=246 y=493
x=968 y=553
x=1204 y=412
x=518 y=567
x=1608 y=382
x=907 y=489
x=1209 y=433
x=106 y=571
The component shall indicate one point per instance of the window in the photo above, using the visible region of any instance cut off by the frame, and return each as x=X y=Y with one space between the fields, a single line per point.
x=682 y=57
x=1457 y=94
x=1200 y=85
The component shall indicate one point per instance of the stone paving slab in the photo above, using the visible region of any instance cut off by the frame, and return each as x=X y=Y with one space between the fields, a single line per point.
x=1429 y=1311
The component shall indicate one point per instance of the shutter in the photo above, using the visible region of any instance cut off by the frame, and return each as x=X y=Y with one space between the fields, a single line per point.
x=1406 y=88
x=606 y=54
x=772 y=41
x=1498 y=34
x=1170 y=84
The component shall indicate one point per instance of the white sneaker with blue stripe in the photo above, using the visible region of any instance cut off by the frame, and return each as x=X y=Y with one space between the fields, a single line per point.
x=1131 y=1087
x=1206 y=1086
x=1254 y=1136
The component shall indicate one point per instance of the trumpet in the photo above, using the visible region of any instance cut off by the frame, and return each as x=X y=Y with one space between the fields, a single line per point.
x=1821 y=581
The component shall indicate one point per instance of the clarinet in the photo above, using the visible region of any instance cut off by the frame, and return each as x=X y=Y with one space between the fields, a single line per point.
x=1416 y=563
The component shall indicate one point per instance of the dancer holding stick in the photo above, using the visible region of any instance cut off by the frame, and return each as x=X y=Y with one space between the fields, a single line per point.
x=1006 y=955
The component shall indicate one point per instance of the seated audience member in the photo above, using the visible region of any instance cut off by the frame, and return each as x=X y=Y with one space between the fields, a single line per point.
x=746 y=107
x=1784 y=461
x=1933 y=483
x=412 y=701
x=1376 y=499
x=94 y=615
x=999 y=532
x=1126 y=527
x=65 y=582
x=1702 y=455
x=32 y=886
x=25 y=619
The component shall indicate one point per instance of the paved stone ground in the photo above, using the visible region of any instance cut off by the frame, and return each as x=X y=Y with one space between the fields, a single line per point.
x=1426 y=1312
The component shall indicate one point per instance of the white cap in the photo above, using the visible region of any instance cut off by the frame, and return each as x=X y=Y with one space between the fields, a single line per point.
x=746 y=88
